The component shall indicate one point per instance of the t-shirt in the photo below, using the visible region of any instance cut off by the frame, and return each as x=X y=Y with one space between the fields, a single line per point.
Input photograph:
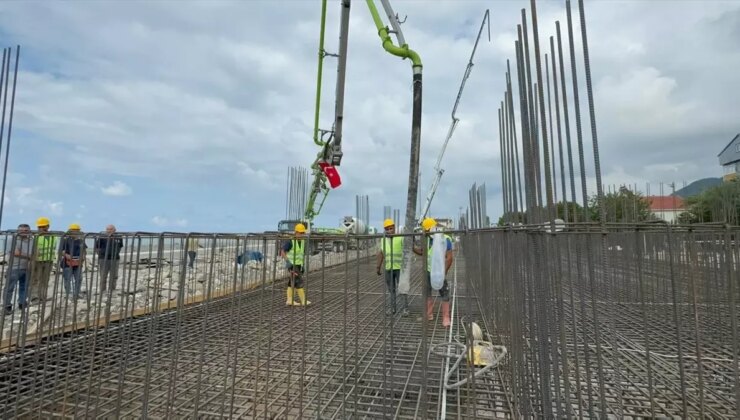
x=287 y=246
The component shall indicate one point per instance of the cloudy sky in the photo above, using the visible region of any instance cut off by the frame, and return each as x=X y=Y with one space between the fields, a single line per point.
x=186 y=115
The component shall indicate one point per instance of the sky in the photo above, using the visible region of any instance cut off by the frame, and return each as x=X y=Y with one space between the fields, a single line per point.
x=185 y=116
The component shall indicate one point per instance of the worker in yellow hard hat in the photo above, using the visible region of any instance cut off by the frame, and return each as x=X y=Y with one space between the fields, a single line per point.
x=391 y=251
x=294 y=251
x=444 y=293
x=73 y=249
x=43 y=260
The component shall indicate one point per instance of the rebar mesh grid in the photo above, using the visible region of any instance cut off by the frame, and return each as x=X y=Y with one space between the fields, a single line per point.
x=246 y=354
x=648 y=329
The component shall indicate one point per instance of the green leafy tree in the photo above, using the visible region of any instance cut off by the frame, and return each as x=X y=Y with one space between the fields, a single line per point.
x=515 y=217
x=718 y=204
x=623 y=206
x=575 y=211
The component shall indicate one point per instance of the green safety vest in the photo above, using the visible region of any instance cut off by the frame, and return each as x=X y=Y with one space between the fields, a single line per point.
x=393 y=252
x=296 y=252
x=45 y=247
x=429 y=251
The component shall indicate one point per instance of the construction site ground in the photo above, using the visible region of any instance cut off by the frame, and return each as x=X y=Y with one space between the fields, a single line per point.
x=250 y=356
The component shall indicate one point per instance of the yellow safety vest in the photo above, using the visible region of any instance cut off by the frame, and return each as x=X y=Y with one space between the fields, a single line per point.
x=296 y=252
x=393 y=252
x=45 y=247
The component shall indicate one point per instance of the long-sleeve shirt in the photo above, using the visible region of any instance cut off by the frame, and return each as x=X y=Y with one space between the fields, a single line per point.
x=109 y=248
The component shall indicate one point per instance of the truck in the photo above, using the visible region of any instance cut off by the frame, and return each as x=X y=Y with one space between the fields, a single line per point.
x=354 y=226
x=317 y=243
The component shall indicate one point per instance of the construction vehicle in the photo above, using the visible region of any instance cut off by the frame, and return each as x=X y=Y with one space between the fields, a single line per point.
x=354 y=226
x=319 y=240
x=438 y=171
x=330 y=141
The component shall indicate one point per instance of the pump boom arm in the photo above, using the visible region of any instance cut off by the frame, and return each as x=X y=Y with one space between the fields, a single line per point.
x=331 y=154
x=438 y=171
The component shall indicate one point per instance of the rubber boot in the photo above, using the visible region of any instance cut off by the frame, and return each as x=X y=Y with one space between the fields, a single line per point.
x=289 y=296
x=445 y=313
x=430 y=309
x=302 y=297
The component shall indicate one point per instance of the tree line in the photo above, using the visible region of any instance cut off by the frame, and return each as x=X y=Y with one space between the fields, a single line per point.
x=717 y=204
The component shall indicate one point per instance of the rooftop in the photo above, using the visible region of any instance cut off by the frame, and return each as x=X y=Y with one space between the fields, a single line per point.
x=658 y=203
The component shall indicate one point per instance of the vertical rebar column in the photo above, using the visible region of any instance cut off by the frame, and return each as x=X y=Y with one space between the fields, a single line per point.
x=513 y=142
x=566 y=120
x=10 y=125
x=532 y=131
x=592 y=113
x=552 y=137
x=543 y=118
x=502 y=155
x=557 y=123
x=529 y=176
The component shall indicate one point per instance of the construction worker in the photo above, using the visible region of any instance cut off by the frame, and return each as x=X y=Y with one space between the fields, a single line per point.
x=391 y=252
x=46 y=246
x=444 y=293
x=20 y=254
x=109 y=254
x=294 y=252
x=73 y=250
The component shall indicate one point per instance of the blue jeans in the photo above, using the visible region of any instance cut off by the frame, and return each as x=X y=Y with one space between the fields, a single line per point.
x=15 y=277
x=69 y=288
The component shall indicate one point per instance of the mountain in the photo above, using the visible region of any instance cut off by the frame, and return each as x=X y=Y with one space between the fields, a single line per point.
x=698 y=187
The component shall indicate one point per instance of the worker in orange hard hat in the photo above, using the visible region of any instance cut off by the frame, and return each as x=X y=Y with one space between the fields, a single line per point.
x=294 y=251
x=391 y=252
x=444 y=293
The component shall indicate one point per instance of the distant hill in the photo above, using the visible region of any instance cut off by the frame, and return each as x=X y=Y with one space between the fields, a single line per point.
x=698 y=187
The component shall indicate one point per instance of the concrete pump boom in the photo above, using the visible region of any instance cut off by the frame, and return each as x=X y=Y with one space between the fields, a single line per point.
x=330 y=155
x=438 y=171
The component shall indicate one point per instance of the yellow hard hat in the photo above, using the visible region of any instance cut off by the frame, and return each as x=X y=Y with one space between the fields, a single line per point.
x=300 y=228
x=428 y=223
x=388 y=222
x=42 y=221
x=74 y=226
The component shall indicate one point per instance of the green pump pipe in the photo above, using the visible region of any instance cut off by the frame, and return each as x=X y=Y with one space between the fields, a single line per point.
x=413 y=187
x=403 y=51
x=318 y=77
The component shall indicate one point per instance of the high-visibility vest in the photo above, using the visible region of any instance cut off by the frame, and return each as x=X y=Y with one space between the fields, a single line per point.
x=45 y=247
x=393 y=252
x=296 y=252
x=429 y=251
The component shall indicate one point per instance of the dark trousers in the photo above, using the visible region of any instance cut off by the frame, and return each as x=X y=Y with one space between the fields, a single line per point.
x=391 y=283
x=296 y=276
x=108 y=270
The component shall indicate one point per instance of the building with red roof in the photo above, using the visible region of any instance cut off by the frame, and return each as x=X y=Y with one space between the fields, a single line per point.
x=666 y=207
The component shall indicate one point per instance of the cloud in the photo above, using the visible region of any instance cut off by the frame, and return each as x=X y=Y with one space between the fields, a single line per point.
x=166 y=222
x=30 y=202
x=112 y=91
x=118 y=188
